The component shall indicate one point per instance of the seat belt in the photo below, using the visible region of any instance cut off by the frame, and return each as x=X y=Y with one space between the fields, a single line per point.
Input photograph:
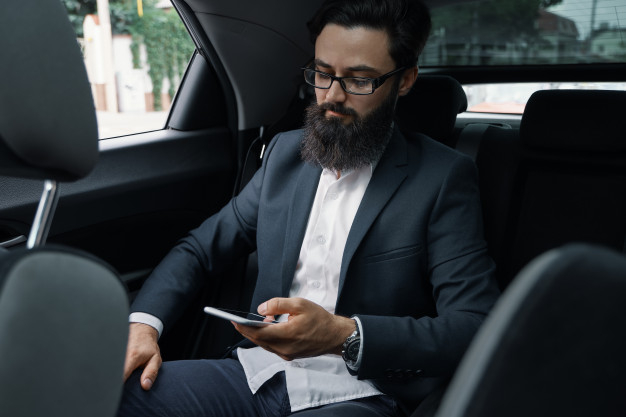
x=292 y=119
x=470 y=138
x=254 y=156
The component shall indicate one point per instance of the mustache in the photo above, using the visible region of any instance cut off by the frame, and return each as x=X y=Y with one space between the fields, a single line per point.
x=337 y=108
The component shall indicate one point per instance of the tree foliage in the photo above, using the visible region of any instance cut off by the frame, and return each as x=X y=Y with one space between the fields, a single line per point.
x=167 y=43
x=168 y=47
x=77 y=10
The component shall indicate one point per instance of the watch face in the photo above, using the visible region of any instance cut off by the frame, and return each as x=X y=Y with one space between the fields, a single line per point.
x=353 y=350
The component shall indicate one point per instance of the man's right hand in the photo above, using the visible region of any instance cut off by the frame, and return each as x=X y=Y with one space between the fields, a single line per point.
x=143 y=351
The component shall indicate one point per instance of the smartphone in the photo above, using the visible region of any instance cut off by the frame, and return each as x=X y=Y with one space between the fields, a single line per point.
x=248 y=319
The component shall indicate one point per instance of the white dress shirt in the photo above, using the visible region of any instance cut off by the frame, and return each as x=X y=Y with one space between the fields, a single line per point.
x=320 y=380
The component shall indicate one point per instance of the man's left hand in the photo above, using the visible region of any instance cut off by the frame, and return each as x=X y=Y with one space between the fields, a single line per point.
x=309 y=331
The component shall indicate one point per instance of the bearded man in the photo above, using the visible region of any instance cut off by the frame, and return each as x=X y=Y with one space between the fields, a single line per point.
x=370 y=246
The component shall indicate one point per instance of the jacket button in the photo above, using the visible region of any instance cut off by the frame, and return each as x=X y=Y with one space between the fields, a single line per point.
x=389 y=374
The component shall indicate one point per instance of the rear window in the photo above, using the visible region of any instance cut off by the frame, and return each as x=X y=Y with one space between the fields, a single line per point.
x=527 y=32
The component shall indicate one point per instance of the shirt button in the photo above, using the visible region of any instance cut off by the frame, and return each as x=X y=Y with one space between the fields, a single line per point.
x=333 y=196
x=316 y=284
x=321 y=239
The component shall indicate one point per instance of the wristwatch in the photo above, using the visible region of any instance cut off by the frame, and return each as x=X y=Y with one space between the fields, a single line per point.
x=351 y=347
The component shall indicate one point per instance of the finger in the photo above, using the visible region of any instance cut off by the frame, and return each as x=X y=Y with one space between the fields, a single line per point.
x=149 y=374
x=132 y=362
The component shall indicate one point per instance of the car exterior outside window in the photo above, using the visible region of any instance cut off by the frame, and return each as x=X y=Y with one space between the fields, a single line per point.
x=525 y=32
x=136 y=52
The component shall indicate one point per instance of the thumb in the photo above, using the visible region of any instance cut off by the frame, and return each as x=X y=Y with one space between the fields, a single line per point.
x=277 y=306
x=149 y=374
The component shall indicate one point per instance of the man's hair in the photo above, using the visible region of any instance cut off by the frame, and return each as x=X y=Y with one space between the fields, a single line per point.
x=407 y=23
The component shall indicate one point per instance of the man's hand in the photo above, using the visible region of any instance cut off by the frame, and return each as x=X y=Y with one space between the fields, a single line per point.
x=143 y=350
x=309 y=331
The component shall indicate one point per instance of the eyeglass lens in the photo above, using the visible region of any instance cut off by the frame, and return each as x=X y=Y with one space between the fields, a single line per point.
x=349 y=84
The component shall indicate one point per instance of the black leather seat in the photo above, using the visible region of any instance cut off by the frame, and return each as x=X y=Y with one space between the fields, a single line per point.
x=63 y=314
x=553 y=345
x=431 y=107
x=560 y=179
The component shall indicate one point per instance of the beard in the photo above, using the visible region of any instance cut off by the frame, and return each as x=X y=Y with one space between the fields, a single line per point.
x=336 y=146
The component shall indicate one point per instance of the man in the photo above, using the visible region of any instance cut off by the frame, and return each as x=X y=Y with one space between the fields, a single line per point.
x=369 y=244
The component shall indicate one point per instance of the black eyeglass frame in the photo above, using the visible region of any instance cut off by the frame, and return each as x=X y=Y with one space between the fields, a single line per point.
x=376 y=82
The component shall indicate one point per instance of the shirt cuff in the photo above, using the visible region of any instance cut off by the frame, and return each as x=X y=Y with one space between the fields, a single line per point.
x=150 y=320
x=357 y=364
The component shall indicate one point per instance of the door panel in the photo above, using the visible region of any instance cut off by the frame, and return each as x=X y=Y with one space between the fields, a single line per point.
x=146 y=191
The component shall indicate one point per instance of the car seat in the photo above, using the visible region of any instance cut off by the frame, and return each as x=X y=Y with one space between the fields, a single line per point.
x=431 y=107
x=561 y=178
x=63 y=313
x=554 y=343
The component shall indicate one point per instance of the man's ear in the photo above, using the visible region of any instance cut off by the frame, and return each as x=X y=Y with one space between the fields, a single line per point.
x=408 y=79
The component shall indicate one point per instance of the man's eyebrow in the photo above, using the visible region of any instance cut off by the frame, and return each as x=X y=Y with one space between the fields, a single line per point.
x=320 y=63
x=357 y=68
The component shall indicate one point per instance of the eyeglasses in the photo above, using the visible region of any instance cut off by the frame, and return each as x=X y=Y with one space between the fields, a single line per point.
x=352 y=85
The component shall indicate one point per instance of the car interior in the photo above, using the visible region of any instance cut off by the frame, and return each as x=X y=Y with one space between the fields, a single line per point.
x=552 y=183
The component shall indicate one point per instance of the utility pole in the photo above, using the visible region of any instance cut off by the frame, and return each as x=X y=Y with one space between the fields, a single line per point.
x=594 y=4
x=104 y=18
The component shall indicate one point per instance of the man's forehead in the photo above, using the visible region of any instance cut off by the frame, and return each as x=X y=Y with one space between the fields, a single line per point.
x=353 y=49
x=357 y=67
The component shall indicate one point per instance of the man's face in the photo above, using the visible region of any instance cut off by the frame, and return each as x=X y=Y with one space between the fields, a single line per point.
x=356 y=52
x=342 y=130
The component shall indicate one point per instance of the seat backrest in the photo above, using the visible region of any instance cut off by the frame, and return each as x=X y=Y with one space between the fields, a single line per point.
x=63 y=327
x=48 y=127
x=431 y=107
x=561 y=178
x=63 y=315
x=553 y=345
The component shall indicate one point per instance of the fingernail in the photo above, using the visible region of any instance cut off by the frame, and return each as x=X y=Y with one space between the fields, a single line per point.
x=147 y=383
x=262 y=309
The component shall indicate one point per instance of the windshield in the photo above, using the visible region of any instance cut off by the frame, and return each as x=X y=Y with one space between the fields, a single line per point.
x=527 y=32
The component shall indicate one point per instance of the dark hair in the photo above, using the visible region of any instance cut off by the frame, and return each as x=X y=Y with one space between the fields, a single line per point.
x=407 y=23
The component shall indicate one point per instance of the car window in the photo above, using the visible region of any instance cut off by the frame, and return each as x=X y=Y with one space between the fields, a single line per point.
x=525 y=32
x=511 y=98
x=136 y=52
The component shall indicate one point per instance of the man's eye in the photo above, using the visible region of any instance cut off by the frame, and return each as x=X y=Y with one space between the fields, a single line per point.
x=322 y=75
x=359 y=84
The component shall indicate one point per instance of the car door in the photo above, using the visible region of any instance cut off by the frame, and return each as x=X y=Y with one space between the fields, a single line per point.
x=147 y=190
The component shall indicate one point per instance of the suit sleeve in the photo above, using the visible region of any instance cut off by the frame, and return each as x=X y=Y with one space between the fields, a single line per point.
x=461 y=274
x=204 y=253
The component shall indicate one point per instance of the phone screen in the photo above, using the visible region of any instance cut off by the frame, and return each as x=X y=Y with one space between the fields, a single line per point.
x=248 y=319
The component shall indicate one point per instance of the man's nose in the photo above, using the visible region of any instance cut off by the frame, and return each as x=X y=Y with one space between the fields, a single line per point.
x=335 y=93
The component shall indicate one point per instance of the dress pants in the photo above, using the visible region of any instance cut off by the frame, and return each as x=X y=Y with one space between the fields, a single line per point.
x=218 y=388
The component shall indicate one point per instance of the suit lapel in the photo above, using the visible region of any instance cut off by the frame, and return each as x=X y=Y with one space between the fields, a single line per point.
x=300 y=208
x=388 y=175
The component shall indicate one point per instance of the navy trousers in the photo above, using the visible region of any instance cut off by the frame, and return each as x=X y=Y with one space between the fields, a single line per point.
x=218 y=388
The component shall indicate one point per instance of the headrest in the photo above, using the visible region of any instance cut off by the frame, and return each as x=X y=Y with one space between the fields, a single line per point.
x=48 y=127
x=575 y=120
x=431 y=106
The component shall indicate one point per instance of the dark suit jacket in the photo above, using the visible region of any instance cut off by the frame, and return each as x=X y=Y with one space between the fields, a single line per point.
x=415 y=267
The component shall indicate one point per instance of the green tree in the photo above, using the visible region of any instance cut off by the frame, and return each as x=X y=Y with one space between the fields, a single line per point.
x=168 y=47
x=166 y=40
x=77 y=10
